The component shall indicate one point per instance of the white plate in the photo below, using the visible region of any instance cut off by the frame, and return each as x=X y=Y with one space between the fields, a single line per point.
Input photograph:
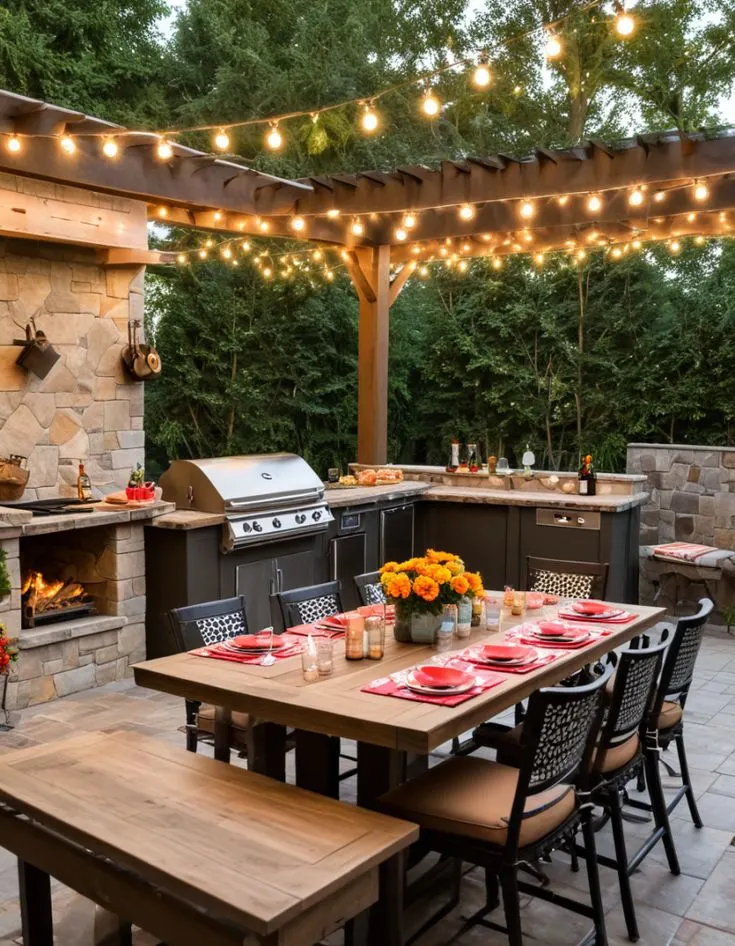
x=436 y=691
x=551 y=638
x=515 y=662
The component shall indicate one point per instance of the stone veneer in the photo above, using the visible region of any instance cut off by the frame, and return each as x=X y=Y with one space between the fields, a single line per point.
x=692 y=493
x=86 y=408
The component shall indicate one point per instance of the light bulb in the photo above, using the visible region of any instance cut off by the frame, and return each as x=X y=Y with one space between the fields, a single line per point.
x=527 y=209
x=443 y=251
x=636 y=197
x=482 y=77
x=162 y=212
x=563 y=200
x=517 y=89
x=430 y=105
x=616 y=252
x=181 y=258
x=466 y=212
x=245 y=246
x=164 y=150
x=539 y=259
x=357 y=227
x=330 y=275
x=317 y=255
x=332 y=213
x=497 y=263
x=400 y=234
x=691 y=217
x=298 y=224
x=264 y=226
x=217 y=216
x=699 y=240
x=701 y=191
x=274 y=139
x=14 y=144
x=202 y=254
x=222 y=140
x=267 y=272
x=423 y=271
x=553 y=46
x=624 y=23
x=527 y=236
x=409 y=221
x=636 y=244
x=110 y=148
x=227 y=253
x=369 y=120
x=462 y=266
x=581 y=255
x=235 y=262
x=594 y=203
x=68 y=145
x=674 y=246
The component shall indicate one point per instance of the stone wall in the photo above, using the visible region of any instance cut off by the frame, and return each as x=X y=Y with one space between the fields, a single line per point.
x=692 y=493
x=86 y=408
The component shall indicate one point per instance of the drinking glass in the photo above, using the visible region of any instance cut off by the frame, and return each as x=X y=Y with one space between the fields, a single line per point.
x=324 y=656
x=493 y=610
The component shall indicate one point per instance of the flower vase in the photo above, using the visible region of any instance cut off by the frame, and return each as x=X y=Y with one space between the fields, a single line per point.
x=402 y=627
x=424 y=626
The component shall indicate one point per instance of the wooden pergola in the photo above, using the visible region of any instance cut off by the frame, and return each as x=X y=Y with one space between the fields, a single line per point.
x=648 y=188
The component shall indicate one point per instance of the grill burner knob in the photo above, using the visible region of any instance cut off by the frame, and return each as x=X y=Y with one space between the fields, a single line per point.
x=276 y=523
x=258 y=527
x=316 y=515
x=300 y=518
x=246 y=527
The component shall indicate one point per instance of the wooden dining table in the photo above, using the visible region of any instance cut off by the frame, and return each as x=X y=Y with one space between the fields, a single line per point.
x=391 y=733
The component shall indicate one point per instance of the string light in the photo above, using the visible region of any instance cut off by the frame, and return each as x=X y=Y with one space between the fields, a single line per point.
x=691 y=217
x=563 y=200
x=539 y=259
x=636 y=197
x=203 y=254
x=317 y=255
x=462 y=266
x=430 y=104
x=218 y=216
x=162 y=212
x=245 y=245
x=110 y=148
x=701 y=191
x=182 y=258
x=222 y=140
x=274 y=139
x=409 y=221
x=264 y=226
x=164 y=150
x=14 y=144
x=482 y=77
x=636 y=244
x=68 y=145
x=594 y=203
x=357 y=227
x=616 y=252
x=332 y=213
x=466 y=212
x=423 y=271
x=369 y=120
x=267 y=272
x=674 y=246
x=659 y=197
x=227 y=253
x=581 y=255
x=298 y=224
x=416 y=249
x=624 y=21
x=527 y=210
x=400 y=234
x=699 y=240
x=210 y=243
x=553 y=46
x=497 y=263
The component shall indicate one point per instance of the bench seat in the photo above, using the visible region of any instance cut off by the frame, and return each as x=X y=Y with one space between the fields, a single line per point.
x=192 y=850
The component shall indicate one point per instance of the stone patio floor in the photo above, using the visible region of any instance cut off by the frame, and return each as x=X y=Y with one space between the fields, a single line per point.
x=695 y=909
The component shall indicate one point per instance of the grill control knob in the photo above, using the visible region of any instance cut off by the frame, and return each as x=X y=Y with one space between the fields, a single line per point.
x=301 y=518
x=258 y=527
x=276 y=523
x=246 y=527
x=316 y=515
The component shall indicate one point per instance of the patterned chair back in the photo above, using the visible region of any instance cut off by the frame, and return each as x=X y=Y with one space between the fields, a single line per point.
x=306 y=605
x=369 y=588
x=633 y=693
x=566 y=579
x=202 y=624
x=559 y=734
x=676 y=676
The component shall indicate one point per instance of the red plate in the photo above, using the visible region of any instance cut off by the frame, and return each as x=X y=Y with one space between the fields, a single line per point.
x=442 y=678
x=535 y=599
x=256 y=642
x=590 y=607
x=336 y=621
x=551 y=599
x=504 y=652
x=562 y=634
x=554 y=629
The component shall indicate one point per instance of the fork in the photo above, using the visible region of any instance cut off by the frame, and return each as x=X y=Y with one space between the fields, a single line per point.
x=267 y=660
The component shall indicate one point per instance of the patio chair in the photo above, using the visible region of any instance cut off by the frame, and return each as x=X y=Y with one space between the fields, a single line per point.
x=309 y=604
x=369 y=588
x=198 y=626
x=566 y=579
x=505 y=818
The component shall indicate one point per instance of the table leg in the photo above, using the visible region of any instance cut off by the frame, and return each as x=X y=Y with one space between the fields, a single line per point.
x=35 y=905
x=317 y=762
x=378 y=770
x=267 y=750
x=222 y=719
x=357 y=931
x=111 y=930
x=386 y=916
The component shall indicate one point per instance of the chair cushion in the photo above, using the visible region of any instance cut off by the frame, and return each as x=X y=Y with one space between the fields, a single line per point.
x=473 y=798
x=615 y=757
x=205 y=719
x=670 y=715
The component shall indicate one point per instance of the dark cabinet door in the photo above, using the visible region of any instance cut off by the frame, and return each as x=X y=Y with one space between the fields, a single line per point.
x=396 y=533
x=295 y=570
x=256 y=580
x=348 y=560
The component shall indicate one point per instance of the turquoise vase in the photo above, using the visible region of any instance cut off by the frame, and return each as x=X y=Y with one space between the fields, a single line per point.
x=424 y=627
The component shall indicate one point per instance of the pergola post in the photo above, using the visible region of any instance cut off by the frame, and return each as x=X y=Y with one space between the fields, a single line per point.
x=369 y=268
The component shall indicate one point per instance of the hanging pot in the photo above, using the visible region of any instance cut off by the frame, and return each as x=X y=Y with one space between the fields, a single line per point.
x=142 y=361
x=38 y=355
x=13 y=478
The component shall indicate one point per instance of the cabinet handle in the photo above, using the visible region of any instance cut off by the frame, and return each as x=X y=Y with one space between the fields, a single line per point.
x=279 y=578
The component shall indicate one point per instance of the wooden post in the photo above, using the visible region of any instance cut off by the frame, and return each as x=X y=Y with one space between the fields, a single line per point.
x=369 y=268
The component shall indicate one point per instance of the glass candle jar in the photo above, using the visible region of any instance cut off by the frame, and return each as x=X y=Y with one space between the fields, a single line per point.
x=309 y=664
x=518 y=608
x=375 y=630
x=355 y=636
x=447 y=628
x=324 y=656
x=464 y=617
x=493 y=611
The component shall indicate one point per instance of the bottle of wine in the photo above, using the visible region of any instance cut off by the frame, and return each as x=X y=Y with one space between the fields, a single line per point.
x=453 y=457
x=586 y=477
x=84 y=485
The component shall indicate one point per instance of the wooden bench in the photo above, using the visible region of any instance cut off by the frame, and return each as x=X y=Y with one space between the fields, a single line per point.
x=196 y=852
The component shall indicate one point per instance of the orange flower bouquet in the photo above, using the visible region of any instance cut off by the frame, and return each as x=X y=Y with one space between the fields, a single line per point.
x=421 y=586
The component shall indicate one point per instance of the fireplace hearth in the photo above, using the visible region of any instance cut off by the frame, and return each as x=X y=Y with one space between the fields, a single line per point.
x=46 y=600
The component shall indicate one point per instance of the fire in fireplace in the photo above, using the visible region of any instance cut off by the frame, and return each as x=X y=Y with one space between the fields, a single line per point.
x=48 y=599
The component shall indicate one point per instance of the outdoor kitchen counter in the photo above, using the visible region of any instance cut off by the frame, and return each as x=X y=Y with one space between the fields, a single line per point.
x=547 y=498
x=14 y=522
x=363 y=495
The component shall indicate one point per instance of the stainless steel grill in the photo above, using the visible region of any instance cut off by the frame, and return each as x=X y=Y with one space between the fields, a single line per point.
x=265 y=497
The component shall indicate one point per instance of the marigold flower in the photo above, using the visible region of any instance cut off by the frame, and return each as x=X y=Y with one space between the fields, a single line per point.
x=475 y=582
x=389 y=567
x=426 y=588
x=439 y=573
x=399 y=586
x=455 y=567
x=460 y=585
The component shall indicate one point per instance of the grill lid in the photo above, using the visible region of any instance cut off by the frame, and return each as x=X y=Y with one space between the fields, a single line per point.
x=238 y=484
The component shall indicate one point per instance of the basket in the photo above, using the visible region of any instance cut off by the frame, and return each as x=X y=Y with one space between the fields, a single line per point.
x=13 y=479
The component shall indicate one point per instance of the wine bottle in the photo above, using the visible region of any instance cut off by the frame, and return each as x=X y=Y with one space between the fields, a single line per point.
x=586 y=477
x=84 y=485
x=453 y=457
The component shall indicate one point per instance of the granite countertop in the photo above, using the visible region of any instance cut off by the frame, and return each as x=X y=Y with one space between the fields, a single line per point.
x=15 y=522
x=186 y=519
x=557 y=500
x=363 y=495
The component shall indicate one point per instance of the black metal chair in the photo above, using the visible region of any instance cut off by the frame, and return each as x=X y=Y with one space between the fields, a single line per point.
x=504 y=818
x=309 y=604
x=566 y=579
x=369 y=588
x=198 y=626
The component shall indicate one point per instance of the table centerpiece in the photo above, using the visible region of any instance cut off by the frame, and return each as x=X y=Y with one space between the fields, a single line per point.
x=419 y=589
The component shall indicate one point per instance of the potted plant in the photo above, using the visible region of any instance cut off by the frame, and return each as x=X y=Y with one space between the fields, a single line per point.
x=8 y=656
x=137 y=488
x=420 y=587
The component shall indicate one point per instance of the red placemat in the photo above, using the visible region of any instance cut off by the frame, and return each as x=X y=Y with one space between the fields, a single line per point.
x=469 y=655
x=517 y=634
x=291 y=648
x=625 y=618
x=387 y=686
x=304 y=630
